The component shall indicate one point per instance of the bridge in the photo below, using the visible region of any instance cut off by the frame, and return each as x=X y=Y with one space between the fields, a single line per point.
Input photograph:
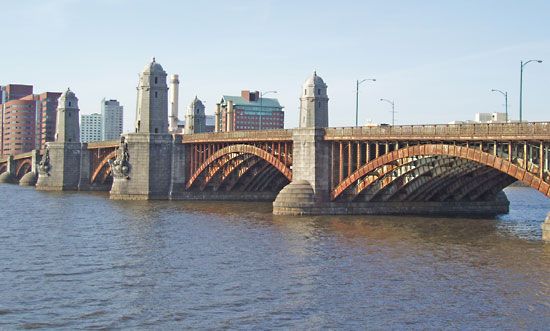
x=313 y=169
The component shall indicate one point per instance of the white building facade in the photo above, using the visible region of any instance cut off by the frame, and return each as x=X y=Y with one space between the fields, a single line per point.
x=90 y=128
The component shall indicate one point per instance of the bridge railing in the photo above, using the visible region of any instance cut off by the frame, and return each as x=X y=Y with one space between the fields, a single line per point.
x=259 y=135
x=524 y=130
x=103 y=144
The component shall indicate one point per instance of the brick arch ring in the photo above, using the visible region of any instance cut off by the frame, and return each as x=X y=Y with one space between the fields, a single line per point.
x=463 y=152
x=25 y=166
x=242 y=149
x=105 y=161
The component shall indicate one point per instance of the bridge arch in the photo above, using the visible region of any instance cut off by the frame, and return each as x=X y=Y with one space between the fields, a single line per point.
x=496 y=163
x=23 y=166
x=103 y=169
x=235 y=157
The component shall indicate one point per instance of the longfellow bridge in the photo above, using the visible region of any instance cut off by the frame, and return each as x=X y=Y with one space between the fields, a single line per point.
x=313 y=169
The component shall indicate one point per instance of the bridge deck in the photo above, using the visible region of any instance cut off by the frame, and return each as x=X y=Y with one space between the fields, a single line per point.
x=477 y=132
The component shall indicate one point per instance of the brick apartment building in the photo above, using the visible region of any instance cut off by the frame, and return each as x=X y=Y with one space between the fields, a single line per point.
x=28 y=120
x=249 y=111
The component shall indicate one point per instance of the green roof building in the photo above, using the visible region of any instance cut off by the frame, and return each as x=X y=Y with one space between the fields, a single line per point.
x=249 y=111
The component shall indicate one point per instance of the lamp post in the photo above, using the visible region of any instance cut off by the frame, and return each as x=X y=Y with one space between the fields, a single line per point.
x=521 y=87
x=392 y=110
x=357 y=98
x=262 y=105
x=505 y=101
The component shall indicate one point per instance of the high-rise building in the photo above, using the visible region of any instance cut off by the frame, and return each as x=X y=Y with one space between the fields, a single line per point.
x=28 y=120
x=90 y=127
x=48 y=115
x=248 y=112
x=111 y=114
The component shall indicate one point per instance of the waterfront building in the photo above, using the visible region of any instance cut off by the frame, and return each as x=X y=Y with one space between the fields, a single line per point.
x=90 y=127
x=490 y=118
x=249 y=111
x=28 y=120
x=111 y=117
x=195 y=119
x=485 y=118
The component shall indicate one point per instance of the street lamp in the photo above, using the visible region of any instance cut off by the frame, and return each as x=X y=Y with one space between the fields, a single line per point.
x=262 y=105
x=521 y=86
x=392 y=110
x=357 y=98
x=505 y=101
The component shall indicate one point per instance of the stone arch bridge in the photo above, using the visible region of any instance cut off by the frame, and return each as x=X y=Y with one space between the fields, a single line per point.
x=382 y=169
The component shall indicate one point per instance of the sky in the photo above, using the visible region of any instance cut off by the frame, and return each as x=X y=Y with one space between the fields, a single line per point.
x=438 y=60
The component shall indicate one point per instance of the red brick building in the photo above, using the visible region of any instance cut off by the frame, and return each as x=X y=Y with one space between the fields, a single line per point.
x=249 y=112
x=28 y=120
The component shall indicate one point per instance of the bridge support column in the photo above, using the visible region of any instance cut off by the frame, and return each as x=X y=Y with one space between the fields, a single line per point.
x=29 y=179
x=143 y=167
x=9 y=175
x=546 y=229
x=179 y=168
x=309 y=191
x=85 y=169
x=59 y=169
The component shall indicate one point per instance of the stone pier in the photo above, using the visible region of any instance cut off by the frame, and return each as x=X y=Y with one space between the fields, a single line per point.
x=142 y=169
x=59 y=169
x=8 y=176
x=30 y=178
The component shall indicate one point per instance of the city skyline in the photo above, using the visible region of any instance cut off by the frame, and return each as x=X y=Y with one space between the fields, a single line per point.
x=422 y=55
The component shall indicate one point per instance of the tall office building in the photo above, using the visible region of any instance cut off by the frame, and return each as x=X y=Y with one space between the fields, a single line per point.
x=28 y=120
x=90 y=127
x=111 y=115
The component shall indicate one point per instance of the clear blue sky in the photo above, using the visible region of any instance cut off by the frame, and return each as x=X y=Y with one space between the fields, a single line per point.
x=437 y=59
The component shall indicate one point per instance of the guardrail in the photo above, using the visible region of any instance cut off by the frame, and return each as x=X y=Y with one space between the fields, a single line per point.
x=513 y=131
x=258 y=135
x=103 y=144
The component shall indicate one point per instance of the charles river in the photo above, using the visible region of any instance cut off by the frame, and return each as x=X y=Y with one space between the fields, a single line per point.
x=82 y=261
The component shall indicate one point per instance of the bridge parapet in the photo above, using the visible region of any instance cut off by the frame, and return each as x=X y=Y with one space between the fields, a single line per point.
x=103 y=144
x=238 y=136
x=477 y=131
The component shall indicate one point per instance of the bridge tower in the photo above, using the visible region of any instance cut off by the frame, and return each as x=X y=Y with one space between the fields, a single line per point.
x=60 y=167
x=142 y=169
x=195 y=119
x=309 y=190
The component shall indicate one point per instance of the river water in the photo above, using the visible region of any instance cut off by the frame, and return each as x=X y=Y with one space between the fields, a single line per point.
x=80 y=260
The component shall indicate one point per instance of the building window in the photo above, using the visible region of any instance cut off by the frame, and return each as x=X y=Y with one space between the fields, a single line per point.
x=156 y=94
x=156 y=80
x=318 y=91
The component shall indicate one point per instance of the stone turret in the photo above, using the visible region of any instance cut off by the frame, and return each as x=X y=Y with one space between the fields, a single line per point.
x=143 y=166
x=60 y=166
x=67 y=128
x=309 y=189
x=152 y=111
x=195 y=119
x=314 y=103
